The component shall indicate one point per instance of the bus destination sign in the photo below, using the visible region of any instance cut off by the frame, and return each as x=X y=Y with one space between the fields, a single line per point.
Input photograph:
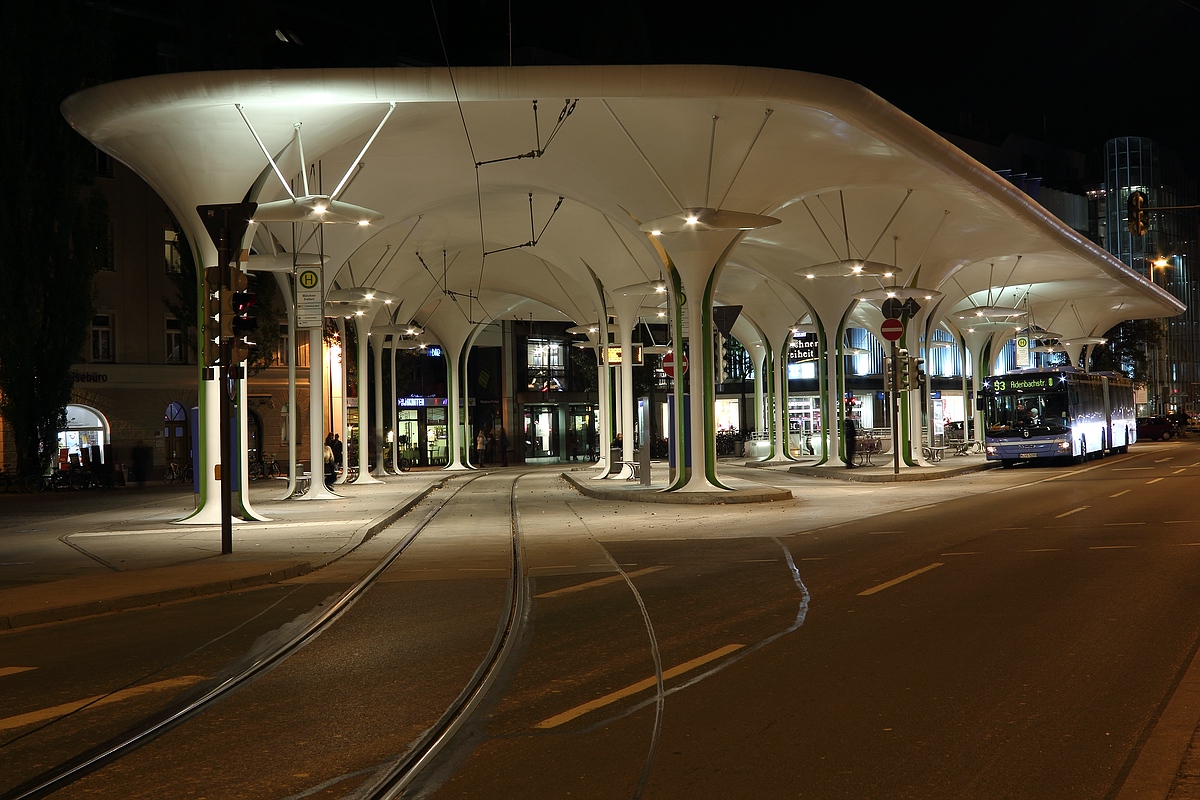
x=1016 y=383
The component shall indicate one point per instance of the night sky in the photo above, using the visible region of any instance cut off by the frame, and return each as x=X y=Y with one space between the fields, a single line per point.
x=1069 y=72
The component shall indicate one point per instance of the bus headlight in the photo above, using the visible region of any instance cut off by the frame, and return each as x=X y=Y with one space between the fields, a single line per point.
x=991 y=450
x=1064 y=445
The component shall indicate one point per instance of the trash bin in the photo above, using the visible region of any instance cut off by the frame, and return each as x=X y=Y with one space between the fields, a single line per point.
x=614 y=461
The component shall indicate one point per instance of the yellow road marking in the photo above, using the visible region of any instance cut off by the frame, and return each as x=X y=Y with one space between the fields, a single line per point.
x=598 y=582
x=634 y=688
x=14 y=670
x=1072 y=511
x=41 y=715
x=901 y=579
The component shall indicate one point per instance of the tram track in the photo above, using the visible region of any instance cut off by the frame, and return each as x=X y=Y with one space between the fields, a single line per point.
x=389 y=778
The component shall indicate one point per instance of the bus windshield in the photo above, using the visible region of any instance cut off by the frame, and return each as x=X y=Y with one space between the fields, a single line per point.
x=1012 y=414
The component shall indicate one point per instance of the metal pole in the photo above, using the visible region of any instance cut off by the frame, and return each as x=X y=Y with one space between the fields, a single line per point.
x=894 y=402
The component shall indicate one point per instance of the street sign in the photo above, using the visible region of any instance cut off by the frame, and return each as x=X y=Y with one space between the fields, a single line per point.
x=668 y=364
x=310 y=298
x=892 y=308
x=892 y=329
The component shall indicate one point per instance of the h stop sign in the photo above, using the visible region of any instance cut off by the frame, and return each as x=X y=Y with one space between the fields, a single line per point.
x=668 y=364
x=892 y=329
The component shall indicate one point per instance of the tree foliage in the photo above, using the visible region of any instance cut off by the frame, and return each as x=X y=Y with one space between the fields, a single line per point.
x=54 y=229
x=1128 y=349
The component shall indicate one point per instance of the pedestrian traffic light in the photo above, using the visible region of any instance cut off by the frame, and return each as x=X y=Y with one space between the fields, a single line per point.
x=1139 y=217
x=889 y=374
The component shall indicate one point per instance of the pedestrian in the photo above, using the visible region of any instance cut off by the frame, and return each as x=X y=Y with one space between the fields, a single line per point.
x=480 y=446
x=330 y=469
x=851 y=443
x=336 y=445
x=503 y=447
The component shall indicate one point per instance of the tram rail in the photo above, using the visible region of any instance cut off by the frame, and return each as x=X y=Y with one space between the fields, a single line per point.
x=392 y=777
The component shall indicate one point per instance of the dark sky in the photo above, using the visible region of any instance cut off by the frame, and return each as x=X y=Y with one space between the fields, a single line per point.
x=1070 y=72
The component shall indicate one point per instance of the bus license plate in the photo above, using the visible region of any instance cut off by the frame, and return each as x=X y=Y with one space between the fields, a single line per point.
x=1028 y=455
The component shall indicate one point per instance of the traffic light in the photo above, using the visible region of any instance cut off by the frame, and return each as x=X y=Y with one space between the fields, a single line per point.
x=210 y=328
x=1139 y=217
x=914 y=377
x=243 y=322
x=889 y=374
x=902 y=372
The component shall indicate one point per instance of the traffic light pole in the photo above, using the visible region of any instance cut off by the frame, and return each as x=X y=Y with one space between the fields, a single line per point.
x=894 y=402
x=226 y=225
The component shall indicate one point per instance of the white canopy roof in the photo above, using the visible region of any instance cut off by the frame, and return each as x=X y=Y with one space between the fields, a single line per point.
x=849 y=176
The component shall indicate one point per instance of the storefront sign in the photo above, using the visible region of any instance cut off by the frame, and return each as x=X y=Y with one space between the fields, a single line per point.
x=422 y=402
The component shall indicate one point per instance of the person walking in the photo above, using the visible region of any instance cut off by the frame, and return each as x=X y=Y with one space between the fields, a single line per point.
x=851 y=442
x=336 y=446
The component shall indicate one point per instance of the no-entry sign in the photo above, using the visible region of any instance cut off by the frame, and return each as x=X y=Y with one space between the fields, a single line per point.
x=892 y=329
x=668 y=364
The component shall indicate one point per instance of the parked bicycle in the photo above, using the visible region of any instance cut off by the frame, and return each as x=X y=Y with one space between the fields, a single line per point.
x=266 y=467
x=178 y=471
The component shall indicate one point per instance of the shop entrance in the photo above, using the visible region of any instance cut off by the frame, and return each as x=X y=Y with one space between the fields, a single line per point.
x=82 y=442
x=541 y=434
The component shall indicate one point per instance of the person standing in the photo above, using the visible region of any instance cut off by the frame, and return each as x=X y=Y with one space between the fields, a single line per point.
x=851 y=442
x=336 y=445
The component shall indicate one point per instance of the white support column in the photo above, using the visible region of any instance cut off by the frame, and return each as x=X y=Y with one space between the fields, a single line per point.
x=316 y=419
x=361 y=330
x=783 y=450
x=378 y=432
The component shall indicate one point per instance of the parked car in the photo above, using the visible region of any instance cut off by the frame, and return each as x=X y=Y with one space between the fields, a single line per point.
x=1157 y=427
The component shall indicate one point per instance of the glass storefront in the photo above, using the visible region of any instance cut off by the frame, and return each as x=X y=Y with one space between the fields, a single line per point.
x=541 y=433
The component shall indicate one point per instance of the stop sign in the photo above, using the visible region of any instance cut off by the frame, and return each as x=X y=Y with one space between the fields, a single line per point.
x=668 y=364
x=892 y=329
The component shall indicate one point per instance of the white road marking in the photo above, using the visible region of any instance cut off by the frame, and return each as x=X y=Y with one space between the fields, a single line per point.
x=963 y=553
x=1153 y=480
x=1118 y=494
x=1112 y=547
x=901 y=579
x=1046 y=550
x=634 y=688
x=1119 y=524
x=918 y=508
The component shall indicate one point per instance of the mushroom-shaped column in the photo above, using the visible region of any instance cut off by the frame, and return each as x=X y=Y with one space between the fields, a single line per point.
x=829 y=291
x=453 y=332
x=362 y=329
x=779 y=352
x=627 y=304
x=317 y=489
x=698 y=241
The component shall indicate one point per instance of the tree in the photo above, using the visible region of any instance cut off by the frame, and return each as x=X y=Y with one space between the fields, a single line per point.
x=55 y=228
x=1128 y=348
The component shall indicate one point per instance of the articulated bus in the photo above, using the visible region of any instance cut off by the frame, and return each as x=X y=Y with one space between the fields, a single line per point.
x=1061 y=413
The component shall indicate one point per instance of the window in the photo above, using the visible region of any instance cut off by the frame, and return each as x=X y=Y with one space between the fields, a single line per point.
x=102 y=330
x=283 y=354
x=171 y=243
x=547 y=370
x=109 y=262
x=176 y=352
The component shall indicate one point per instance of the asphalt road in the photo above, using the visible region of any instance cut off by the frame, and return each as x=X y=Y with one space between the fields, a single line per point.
x=1011 y=634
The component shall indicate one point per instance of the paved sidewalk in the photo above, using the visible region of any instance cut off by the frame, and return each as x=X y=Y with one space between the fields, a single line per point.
x=134 y=553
